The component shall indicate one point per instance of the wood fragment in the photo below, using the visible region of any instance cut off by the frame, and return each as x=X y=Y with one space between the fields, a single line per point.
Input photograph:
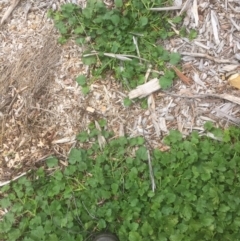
x=215 y=26
x=40 y=7
x=220 y=61
x=69 y=139
x=151 y=172
x=137 y=49
x=162 y=124
x=15 y=178
x=228 y=97
x=166 y=8
x=197 y=79
x=145 y=89
x=90 y=109
x=230 y=67
x=9 y=11
x=26 y=10
x=185 y=7
x=151 y=108
x=121 y=130
x=101 y=140
x=195 y=12
x=231 y=98
x=226 y=112
x=235 y=24
x=233 y=9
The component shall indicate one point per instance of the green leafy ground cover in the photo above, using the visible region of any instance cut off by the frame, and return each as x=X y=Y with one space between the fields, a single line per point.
x=196 y=196
x=130 y=30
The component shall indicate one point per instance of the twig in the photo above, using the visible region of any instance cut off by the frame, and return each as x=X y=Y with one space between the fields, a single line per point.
x=26 y=10
x=186 y=5
x=124 y=56
x=231 y=98
x=148 y=72
x=166 y=8
x=149 y=160
x=117 y=56
x=15 y=97
x=9 y=11
x=44 y=157
x=39 y=108
x=2 y=131
x=235 y=24
x=235 y=10
x=88 y=211
x=145 y=138
x=151 y=172
x=101 y=140
x=39 y=7
x=74 y=200
x=199 y=55
x=136 y=44
x=137 y=34
x=15 y=178
x=189 y=97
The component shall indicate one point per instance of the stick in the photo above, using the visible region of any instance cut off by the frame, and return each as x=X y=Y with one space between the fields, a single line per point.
x=123 y=57
x=9 y=10
x=228 y=97
x=15 y=178
x=151 y=172
x=166 y=8
x=220 y=61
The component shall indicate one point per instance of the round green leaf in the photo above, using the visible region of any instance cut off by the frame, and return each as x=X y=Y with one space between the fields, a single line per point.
x=81 y=80
x=52 y=162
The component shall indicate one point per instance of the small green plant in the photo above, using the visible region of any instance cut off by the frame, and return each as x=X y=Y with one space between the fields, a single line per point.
x=192 y=34
x=122 y=38
x=196 y=195
x=82 y=81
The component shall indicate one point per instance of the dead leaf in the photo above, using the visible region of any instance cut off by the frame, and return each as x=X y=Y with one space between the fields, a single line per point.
x=181 y=76
x=234 y=80
x=163 y=147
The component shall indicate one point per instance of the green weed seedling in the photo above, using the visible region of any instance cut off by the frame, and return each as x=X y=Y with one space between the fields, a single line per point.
x=196 y=196
x=123 y=38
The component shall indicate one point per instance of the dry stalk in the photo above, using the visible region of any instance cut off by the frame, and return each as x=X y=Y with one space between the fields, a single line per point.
x=217 y=60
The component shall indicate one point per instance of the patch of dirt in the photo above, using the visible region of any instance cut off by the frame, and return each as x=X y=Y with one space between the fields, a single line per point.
x=42 y=107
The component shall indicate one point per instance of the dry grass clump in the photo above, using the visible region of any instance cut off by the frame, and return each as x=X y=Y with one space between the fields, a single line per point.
x=24 y=91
